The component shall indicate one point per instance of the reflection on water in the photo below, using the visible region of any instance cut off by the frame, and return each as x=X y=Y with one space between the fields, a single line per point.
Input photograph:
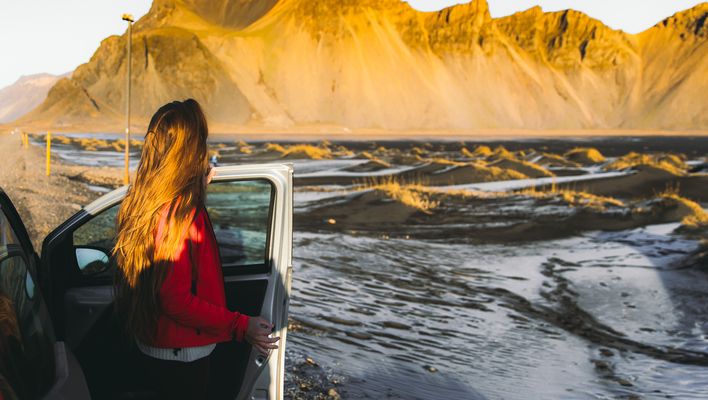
x=592 y=316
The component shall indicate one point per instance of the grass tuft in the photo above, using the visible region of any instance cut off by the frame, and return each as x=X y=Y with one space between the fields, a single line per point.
x=697 y=217
x=574 y=198
x=411 y=194
x=667 y=162
x=585 y=155
x=308 y=150
x=375 y=159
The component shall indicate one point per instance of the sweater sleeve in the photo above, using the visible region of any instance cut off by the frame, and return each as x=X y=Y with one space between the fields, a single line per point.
x=179 y=304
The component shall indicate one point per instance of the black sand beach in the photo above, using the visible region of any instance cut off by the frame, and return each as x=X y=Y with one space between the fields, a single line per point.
x=505 y=269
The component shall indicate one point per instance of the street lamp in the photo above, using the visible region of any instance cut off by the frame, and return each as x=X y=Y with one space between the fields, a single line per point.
x=126 y=179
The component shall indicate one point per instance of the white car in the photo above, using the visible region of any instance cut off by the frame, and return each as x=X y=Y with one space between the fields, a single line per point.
x=59 y=337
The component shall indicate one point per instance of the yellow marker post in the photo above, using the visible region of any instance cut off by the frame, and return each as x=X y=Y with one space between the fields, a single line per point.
x=49 y=151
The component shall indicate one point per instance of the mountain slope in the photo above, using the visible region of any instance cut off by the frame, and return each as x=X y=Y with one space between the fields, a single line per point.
x=24 y=95
x=382 y=64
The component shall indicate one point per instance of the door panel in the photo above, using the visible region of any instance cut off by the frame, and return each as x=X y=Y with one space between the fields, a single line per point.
x=250 y=208
x=29 y=361
x=251 y=211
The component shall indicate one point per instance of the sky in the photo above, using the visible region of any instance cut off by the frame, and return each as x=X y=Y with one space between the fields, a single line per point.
x=56 y=36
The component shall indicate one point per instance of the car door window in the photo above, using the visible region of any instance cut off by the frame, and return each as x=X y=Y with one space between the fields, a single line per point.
x=241 y=213
x=26 y=339
x=99 y=232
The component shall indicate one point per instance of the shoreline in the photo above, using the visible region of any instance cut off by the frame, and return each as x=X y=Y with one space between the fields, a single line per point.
x=316 y=132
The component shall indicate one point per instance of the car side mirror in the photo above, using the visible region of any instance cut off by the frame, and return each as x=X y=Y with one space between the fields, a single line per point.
x=92 y=260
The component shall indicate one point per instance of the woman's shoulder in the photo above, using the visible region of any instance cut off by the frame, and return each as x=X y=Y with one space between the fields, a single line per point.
x=199 y=222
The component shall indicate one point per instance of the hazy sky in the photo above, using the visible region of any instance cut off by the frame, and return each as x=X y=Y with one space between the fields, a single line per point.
x=56 y=36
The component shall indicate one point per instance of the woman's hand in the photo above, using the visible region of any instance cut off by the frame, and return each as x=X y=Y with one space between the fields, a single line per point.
x=257 y=334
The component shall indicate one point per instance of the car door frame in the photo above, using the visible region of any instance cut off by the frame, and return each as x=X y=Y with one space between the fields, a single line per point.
x=277 y=298
x=279 y=275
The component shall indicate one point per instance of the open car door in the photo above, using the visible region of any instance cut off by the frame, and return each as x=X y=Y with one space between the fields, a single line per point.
x=33 y=364
x=250 y=207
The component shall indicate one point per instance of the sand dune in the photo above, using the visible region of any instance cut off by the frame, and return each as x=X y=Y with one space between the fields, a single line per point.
x=648 y=181
x=415 y=210
x=585 y=156
x=526 y=168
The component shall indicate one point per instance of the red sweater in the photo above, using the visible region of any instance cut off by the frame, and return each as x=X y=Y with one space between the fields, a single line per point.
x=196 y=320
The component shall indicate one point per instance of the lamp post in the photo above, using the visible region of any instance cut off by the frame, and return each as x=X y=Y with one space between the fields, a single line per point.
x=126 y=179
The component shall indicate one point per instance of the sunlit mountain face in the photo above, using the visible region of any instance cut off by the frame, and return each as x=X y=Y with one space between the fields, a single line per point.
x=384 y=65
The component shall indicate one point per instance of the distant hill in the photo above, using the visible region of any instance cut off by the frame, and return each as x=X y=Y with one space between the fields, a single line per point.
x=382 y=64
x=24 y=95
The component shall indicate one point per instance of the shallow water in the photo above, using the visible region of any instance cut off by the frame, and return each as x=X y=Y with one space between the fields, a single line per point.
x=596 y=315
x=505 y=321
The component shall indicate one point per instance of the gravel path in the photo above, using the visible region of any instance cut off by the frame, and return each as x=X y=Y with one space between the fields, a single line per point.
x=43 y=201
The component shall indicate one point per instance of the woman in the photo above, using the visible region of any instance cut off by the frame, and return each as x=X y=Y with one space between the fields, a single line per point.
x=170 y=289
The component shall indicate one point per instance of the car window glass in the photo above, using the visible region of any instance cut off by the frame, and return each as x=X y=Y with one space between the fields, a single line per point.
x=94 y=242
x=99 y=232
x=26 y=339
x=240 y=213
x=7 y=236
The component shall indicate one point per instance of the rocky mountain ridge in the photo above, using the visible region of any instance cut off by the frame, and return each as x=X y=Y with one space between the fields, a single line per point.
x=382 y=64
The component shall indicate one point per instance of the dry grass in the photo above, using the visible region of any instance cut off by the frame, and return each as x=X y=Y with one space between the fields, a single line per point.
x=320 y=189
x=478 y=152
x=556 y=160
x=418 y=151
x=375 y=159
x=667 y=162
x=573 y=198
x=313 y=152
x=342 y=151
x=92 y=144
x=95 y=144
x=466 y=153
x=62 y=139
x=525 y=167
x=502 y=152
x=488 y=173
x=381 y=150
x=443 y=161
x=585 y=155
x=697 y=217
x=419 y=196
x=411 y=194
x=499 y=174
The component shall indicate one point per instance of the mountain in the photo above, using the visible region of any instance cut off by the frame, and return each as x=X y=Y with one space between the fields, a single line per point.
x=25 y=94
x=383 y=65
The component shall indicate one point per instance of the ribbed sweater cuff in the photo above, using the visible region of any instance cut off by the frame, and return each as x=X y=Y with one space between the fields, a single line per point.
x=240 y=326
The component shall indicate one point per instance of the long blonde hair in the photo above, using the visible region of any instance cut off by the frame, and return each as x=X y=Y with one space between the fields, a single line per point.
x=169 y=184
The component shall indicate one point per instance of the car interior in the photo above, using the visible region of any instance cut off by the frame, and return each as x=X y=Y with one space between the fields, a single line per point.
x=77 y=280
